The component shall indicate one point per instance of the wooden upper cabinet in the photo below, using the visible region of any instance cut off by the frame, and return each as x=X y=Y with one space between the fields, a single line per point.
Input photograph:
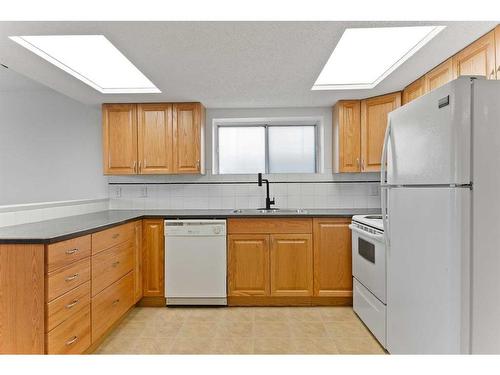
x=332 y=257
x=291 y=265
x=374 y=115
x=248 y=265
x=497 y=49
x=189 y=127
x=153 y=261
x=119 y=138
x=414 y=90
x=155 y=140
x=347 y=136
x=440 y=75
x=477 y=58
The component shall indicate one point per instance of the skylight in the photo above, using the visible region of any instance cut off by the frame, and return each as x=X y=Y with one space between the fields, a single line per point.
x=364 y=57
x=92 y=59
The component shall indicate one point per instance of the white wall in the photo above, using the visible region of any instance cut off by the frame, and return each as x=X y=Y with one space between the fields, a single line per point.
x=50 y=148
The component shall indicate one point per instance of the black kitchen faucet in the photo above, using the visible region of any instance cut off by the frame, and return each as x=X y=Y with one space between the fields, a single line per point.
x=269 y=202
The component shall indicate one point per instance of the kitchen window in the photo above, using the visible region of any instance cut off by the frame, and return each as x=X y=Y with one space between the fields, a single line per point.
x=265 y=147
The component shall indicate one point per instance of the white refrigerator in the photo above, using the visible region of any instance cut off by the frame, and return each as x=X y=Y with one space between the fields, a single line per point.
x=441 y=208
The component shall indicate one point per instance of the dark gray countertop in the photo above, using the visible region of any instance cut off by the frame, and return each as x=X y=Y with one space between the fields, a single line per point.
x=50 y=231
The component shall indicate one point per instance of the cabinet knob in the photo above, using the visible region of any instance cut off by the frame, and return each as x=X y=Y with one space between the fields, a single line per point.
x=134 y=166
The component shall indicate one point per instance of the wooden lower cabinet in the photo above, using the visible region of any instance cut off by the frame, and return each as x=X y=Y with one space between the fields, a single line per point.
x=153 y=261
x=138 y=261
x=71 y=337
x=109 y=305
x=332 y=257
x=289 y=268
x=248 y=265
x=64 y=297
x=291 y=265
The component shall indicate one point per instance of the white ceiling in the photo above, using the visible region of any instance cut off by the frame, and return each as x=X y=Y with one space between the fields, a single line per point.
x=226 y=64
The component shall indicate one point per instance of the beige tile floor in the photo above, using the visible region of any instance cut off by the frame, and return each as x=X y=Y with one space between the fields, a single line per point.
x=241 y=330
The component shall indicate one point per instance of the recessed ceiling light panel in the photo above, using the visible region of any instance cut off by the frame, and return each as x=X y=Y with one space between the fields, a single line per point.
x=92 y=59
x=364 y=57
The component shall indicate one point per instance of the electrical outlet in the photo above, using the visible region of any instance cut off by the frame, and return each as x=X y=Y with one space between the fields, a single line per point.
x=118 y=192
x=144 y=192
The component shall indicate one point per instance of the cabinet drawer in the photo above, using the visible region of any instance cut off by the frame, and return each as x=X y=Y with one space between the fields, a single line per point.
x=63 y=253
x=109 y=305
x=268 y=225
x=67 y=278
x=110 y=265
x=111 y=237
x=67 y=305
x=72 y=336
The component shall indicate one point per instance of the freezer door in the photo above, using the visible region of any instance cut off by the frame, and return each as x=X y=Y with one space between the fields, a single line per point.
x=428 y=271
x=429 y=140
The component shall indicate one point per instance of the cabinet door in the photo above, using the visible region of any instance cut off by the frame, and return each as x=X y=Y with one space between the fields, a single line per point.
x=439 y=76
x=248 y=265
x=119 y=122
x=374 y=115
x=414 y=90
x=347 y=130
x=155 y=141
x=153 y=261
x=332 y=257
x=188 y=124
x=291 y=265
x=138 y=261
x=477 y=58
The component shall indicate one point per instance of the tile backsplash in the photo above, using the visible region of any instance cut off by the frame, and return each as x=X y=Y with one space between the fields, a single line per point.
x=227 y=195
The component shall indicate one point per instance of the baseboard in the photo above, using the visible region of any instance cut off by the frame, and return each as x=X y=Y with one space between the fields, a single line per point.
x=152 y=302
x=288 y=301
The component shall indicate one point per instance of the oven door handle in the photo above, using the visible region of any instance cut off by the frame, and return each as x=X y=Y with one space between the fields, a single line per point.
x=376 y=237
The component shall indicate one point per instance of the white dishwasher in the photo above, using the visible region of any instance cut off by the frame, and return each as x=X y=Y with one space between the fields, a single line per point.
x=195 y=262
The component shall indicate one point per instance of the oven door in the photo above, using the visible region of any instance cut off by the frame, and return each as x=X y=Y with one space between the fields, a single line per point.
x=368 y=261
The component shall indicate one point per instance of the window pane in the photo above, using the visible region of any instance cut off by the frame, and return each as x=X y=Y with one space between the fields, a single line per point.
x=242 y=149
x=292 y=149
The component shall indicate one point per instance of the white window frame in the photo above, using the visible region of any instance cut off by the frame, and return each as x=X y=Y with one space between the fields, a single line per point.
x=317 y=122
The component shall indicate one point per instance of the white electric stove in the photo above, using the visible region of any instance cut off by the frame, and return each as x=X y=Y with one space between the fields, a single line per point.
x=369 y=273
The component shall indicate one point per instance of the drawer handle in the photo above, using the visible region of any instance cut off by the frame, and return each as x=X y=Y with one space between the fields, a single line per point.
x=71 y=251
x=72 y=340
x=116 y=235
x=116 y=301
x=70 y=305
x=116 y=263
x=71 y=278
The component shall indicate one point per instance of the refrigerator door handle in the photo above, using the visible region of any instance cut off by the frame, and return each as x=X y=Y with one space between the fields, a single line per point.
x=384 y=191
x=383 y=161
